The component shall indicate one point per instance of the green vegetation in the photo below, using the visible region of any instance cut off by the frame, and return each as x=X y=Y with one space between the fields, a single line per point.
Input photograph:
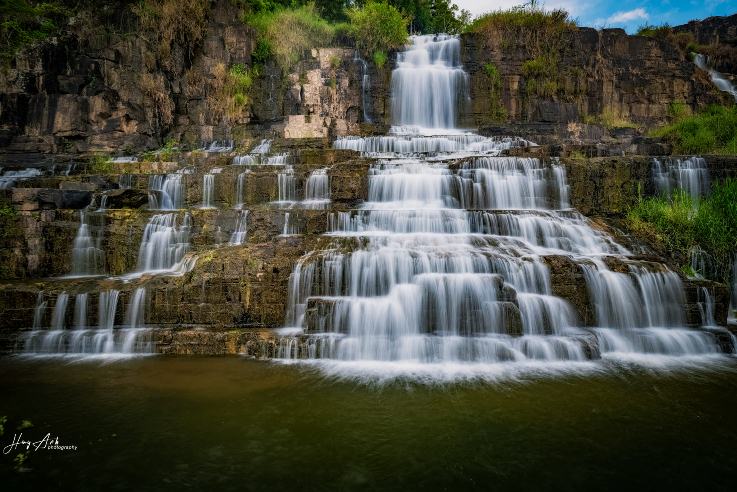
x=497 y=112
x=24 y=22
x=651 y=31
x=164 y=154
x=681 y=223
x=236 y=89
x=377 y=27
x=539 y=33
x=528 y=17
x=286 y=34
x=713 y=131
x=379 y=58
x=609 y=119
x=100 y=164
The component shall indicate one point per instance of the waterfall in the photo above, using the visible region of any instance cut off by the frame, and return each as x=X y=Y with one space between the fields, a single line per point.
x=240 y=190
x=447 y=262
x=264 y=147
x=239 y=233
x=164 y=243
x=104 y=339
x=80 y=311
x=87 y=256
x=317 y=190
x=9 y=178
x=717 y=78
x=365 y=87
x=208 y=191
x=690 y=175
x=166 y=192
x=429 y=83
x=290 y=228
x=287 y=186
x=219 y=146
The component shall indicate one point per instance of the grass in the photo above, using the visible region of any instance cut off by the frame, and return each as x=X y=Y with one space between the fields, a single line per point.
x=713 y=131
x=651 y=31
x=681 y=222
x=609 y=119
x=285 y=34
x=521 y=18
x=379 y=58
x=100 y=164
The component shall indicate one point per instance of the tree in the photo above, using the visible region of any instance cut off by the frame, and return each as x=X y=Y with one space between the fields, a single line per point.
x=378 y=27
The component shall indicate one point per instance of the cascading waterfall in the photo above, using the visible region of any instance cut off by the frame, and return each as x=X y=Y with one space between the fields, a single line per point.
x=164 y=243
x=287 y=186
x=690 y=175
x=446 y=265
x=208 y=191
x=9 y=178
x=429 y=83
x=365 y=87
x=716 y=78
x=317 y=190
x=87 y=256
x=166 y=192
x=104 y=339
x=241 y=228
x=240 y=190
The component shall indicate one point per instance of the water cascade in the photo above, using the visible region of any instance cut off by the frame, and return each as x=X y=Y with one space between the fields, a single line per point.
x=365 y=87
x=447 y=263
x=240 y=190
x=287 y=185
x=716 y=78
x=164 y=243
x=208 y=191
x=104 y=339
x=87 y=256
x=166 y=192
x=317 y=190
x=239 y=233
x=690 y=175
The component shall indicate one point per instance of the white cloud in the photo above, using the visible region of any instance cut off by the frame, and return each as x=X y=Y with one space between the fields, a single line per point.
x=628 y=16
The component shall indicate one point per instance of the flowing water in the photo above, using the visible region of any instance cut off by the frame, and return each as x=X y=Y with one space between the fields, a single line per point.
x=166 y=192
x=241 y=228
x=690 y=175
x=208 y=191
x=716 y=78
x=87 y=255
x=445 y=268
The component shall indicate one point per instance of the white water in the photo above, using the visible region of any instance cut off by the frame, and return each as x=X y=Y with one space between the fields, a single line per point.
x=365 y=86
x=219 y=146
x=690 y=175
x=448 y=266
x=105 y=339
x=87 y=255
x=317 y=190
x=208 y=191
x=164 y=243
x=240 y=190
x=241 y=228
x=166 y=192
x=9 y=178
x=717 y=78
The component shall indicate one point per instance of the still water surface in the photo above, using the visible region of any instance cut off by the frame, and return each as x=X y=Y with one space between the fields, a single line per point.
x=233 y=424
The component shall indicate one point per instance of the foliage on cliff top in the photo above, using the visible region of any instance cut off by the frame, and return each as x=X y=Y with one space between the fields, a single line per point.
x=25 y=22
x=378 y=27
x=287 y=33
x=682 y=223
x=526 y=17
x=713 y=131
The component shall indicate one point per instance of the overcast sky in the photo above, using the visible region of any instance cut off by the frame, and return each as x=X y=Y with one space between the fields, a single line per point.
x=628 y=14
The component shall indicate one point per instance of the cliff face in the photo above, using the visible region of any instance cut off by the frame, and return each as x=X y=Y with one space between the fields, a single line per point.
x=632 y=77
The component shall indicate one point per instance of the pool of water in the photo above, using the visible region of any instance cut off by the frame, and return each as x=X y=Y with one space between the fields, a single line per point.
x=160 y=423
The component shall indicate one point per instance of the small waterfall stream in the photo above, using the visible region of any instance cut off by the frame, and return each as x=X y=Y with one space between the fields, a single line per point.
x=87 y=255
x=690 y=175
x=717 y=78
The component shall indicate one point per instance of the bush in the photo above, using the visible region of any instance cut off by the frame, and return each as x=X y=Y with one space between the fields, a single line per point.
x=378 y=27
x=682 y=223
x=713 y=131
x=287 y=33
x=23 y=23
x=662 y=31
x=379 y=58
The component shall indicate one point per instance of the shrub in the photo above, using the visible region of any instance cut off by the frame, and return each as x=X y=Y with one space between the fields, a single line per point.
x=682 y=223
x=100 y=164
x=23 y=23
x=712 y=131
x=289 y=32
x=378 y=27
x=650 y=31
x=379 y=58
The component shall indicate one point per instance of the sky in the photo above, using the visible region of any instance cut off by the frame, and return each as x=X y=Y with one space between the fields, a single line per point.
x=627 y=14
